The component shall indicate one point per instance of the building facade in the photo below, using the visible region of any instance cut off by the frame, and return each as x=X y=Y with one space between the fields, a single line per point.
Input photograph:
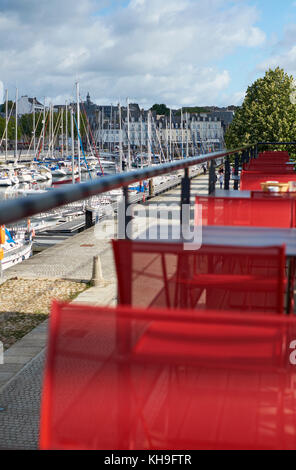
x=26 y=105
x=199 y=133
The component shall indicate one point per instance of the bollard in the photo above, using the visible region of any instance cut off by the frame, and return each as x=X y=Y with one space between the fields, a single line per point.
x=151 y=188
x=97 y=274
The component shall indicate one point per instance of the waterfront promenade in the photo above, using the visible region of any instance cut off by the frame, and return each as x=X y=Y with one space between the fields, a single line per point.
x=21 y=375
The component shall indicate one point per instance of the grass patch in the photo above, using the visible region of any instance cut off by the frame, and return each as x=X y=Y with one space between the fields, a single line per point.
x=16 y=326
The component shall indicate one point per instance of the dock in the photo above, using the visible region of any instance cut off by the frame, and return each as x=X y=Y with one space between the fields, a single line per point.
x=46 y=238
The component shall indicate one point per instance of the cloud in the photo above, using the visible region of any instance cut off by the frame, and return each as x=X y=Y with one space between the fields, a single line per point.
x=1 y=92
x=284 y=53
x=149 y=50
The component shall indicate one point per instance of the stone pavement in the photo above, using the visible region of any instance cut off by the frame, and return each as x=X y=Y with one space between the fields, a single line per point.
x=21 y=375
x=21 y=379
x=19 y=422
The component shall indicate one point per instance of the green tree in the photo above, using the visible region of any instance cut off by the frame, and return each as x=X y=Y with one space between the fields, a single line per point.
x=267 y=114
x=161 y=109
x=3 y=106
x=193 y=110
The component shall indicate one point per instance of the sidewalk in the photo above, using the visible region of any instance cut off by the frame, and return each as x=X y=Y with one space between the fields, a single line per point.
x=21 y=378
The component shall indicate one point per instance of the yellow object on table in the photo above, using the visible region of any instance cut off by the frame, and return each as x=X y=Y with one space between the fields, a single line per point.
x=275 y=187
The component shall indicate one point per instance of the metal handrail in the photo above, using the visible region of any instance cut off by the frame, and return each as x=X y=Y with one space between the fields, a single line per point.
x=276 y=143
x=21 y=208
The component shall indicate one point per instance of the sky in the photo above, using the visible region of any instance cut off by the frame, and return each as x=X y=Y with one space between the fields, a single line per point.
x=178 y=52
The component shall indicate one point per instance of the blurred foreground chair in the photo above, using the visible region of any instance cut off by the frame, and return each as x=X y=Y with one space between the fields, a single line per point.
x=132 y=379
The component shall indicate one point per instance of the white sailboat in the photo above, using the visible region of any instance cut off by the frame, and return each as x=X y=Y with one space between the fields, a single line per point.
x=5 y=180
x=17 y=248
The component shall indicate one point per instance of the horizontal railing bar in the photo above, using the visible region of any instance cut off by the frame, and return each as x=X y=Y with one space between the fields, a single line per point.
x=21 y=208
x=276 y=143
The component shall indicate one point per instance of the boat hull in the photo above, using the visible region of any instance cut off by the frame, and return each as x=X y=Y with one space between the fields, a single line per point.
x=16 y=256
x=66 y=181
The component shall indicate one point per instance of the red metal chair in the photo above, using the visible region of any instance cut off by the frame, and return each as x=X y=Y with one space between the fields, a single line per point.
x=251 y=181
x=132 y=379
x=252 y=212
x=164 y=275
x=271 y=196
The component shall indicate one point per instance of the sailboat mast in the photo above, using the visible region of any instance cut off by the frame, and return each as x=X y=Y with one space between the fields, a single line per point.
x=43 y=130
x=62 y=131
x=120 y=138
x=73 y=145
x=6 y=126
x=67 y=141
x=102 y=133
x=149 y=144
x=51 y=130
x=78 y=128
x=167 y=138
x=170 y=134
x=16 y=123
x=141 y=139
x=182 y=134
x=110 y=132
x=34 y=128
x=128 y=137
x=187 y=140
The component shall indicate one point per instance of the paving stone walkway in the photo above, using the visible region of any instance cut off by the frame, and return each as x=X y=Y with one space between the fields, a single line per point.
x=19 y=422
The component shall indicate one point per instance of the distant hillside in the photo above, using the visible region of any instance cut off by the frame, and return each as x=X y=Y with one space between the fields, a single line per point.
x=206 y=109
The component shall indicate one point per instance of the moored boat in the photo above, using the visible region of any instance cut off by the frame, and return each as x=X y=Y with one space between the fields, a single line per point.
x=17 y=247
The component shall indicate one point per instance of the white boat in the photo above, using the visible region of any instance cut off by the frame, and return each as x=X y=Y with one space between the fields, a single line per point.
x=44 y=171
x=5 y=181
x=14 y=179
x=24 y=177
x=115 y=194
x=58 y=172
x=36 y=176
x=16 y=249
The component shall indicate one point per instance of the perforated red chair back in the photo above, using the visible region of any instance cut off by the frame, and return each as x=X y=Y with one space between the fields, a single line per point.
x=152 y=274
x=249 y=212
x=128 y=379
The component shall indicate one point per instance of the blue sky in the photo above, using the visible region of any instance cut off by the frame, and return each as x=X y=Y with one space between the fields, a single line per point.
x=179 y=52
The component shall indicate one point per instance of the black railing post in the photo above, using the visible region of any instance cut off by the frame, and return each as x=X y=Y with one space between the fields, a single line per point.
x=127 y=217
x=212 y=177
x=236 y=172
x=243 y=156
x=227 y=174
x=185 y=194
x=248 y=155
x=88 y=219
x=242 y=159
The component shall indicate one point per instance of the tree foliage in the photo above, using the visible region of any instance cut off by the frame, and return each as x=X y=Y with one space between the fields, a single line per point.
x=3 y=106
x=10 y=128
x=193 y=110
x=267 y=114
x=161 y=109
